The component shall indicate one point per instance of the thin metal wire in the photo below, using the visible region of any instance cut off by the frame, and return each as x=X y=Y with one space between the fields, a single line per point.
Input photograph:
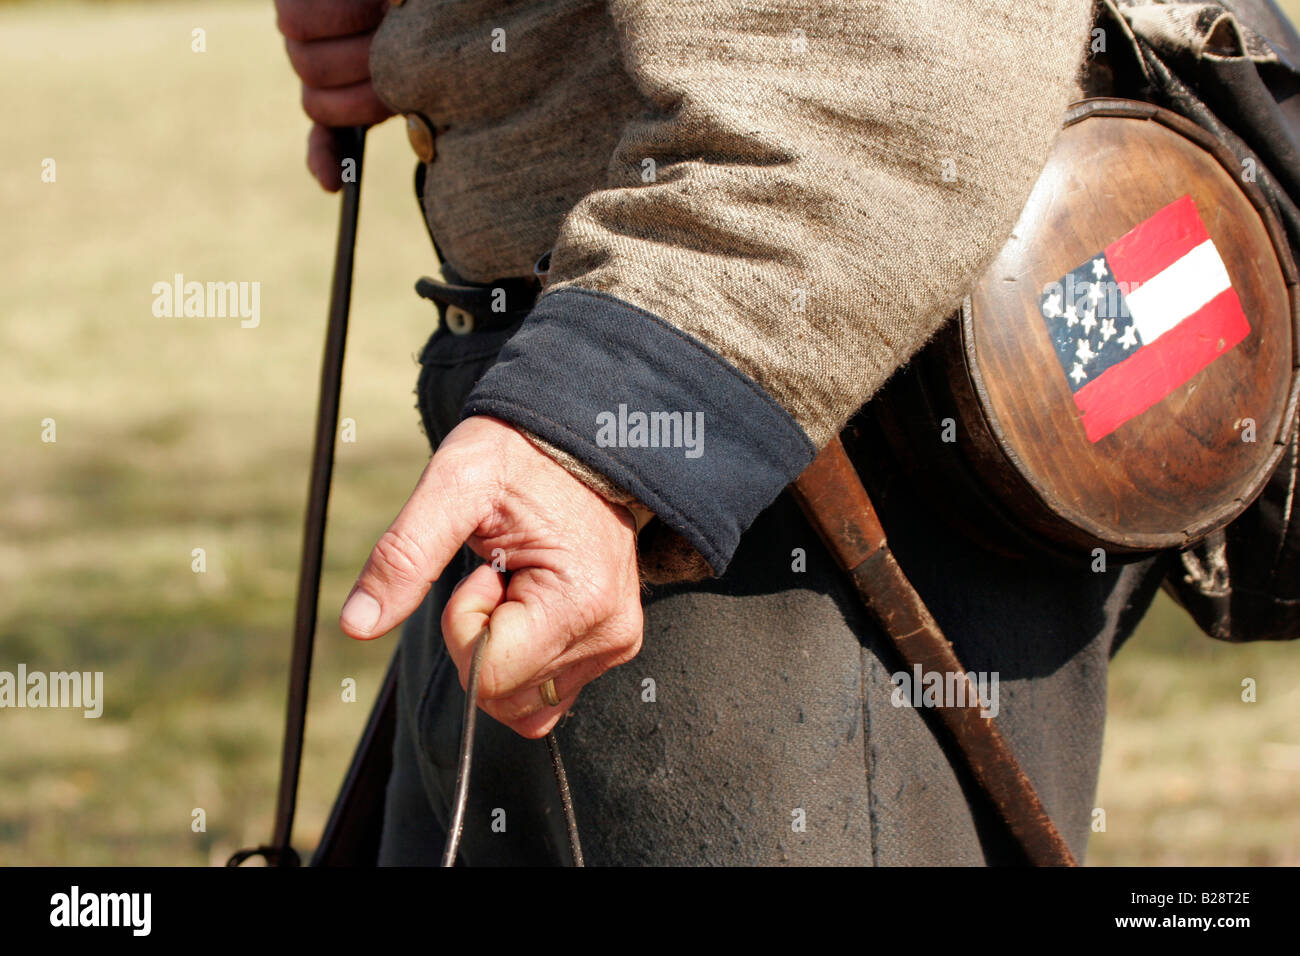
x=566 y=799
x=466 y=759
x=466 y=750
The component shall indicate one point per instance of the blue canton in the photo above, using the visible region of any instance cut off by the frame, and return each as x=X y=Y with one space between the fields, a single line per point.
x=1088 y=320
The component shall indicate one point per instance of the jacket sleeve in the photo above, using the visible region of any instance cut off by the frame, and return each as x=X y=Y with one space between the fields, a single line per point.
x=808 y=193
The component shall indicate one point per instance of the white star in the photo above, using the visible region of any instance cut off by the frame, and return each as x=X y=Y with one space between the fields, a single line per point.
x=1095 y=293
x=1129 y=338
x=1107 y=329
x=1084 y=351
x=1098 y=268
x=1071 y=316
x=1052 y=307
x=1090 y=320
x=1077 y=373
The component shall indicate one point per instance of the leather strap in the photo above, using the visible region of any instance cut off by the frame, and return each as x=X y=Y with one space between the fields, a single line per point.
x=481 y=300
x=833 y=498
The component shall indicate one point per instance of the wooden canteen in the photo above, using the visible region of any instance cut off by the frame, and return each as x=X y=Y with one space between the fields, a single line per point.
x=1123 y=376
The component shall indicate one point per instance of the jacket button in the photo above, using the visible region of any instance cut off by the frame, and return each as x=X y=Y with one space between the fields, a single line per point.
x=396 y=3
x=459 y=321
x=421 y=137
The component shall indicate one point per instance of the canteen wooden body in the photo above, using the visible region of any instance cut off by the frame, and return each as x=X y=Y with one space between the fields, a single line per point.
x=993 y=413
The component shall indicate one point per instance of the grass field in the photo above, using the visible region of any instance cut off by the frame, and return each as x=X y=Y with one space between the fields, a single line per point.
x=182 y=433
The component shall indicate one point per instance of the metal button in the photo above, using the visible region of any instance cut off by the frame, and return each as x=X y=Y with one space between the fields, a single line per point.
x=421 y=137
x=459 y=321
x=396 y=3
x=542 y=269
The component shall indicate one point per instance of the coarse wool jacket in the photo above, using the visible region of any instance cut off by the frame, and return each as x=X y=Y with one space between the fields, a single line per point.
x=756 y=212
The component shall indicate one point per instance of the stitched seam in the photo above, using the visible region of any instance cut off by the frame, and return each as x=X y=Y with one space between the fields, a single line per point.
x=868 y=758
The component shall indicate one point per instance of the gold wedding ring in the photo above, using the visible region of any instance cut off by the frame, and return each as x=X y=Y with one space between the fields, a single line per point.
x=549 y=697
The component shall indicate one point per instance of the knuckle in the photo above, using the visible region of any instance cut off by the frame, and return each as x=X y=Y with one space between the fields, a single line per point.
x=624 y=638
x=630 y=651
x=399 y=558
x=636 y=622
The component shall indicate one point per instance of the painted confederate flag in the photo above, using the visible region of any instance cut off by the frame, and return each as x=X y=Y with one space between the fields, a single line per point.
x=1142 y=317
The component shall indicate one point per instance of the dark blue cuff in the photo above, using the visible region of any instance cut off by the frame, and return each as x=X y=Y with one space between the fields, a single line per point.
x=662 y=415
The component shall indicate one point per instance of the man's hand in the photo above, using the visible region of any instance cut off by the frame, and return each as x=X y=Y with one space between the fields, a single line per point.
x=571 y=609
x=329 y=46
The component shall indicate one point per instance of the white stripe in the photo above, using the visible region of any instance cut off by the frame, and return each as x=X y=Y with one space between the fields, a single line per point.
x=1170 y=296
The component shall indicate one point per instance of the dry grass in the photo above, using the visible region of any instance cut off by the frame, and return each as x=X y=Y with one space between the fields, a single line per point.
x=175 y=434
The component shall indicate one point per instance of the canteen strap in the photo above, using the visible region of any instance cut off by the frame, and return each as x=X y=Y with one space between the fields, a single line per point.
x=834 y=500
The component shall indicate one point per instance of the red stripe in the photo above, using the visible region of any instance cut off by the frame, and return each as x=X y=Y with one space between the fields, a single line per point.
x=1153 y=246
x=1128 y=389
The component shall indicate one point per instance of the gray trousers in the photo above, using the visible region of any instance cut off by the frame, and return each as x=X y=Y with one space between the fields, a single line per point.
x=759 y=724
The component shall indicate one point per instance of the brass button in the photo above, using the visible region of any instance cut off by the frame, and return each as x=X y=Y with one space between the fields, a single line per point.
x=459 y=321
x=396 y=3
x=421 y=137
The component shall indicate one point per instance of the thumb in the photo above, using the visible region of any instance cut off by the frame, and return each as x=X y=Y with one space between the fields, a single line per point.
x=436 y=520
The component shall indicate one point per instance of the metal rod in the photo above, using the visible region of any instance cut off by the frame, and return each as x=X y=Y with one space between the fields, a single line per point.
x=351 y=147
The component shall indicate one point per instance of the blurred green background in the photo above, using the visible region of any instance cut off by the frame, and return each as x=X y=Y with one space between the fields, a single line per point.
x=176 y=434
